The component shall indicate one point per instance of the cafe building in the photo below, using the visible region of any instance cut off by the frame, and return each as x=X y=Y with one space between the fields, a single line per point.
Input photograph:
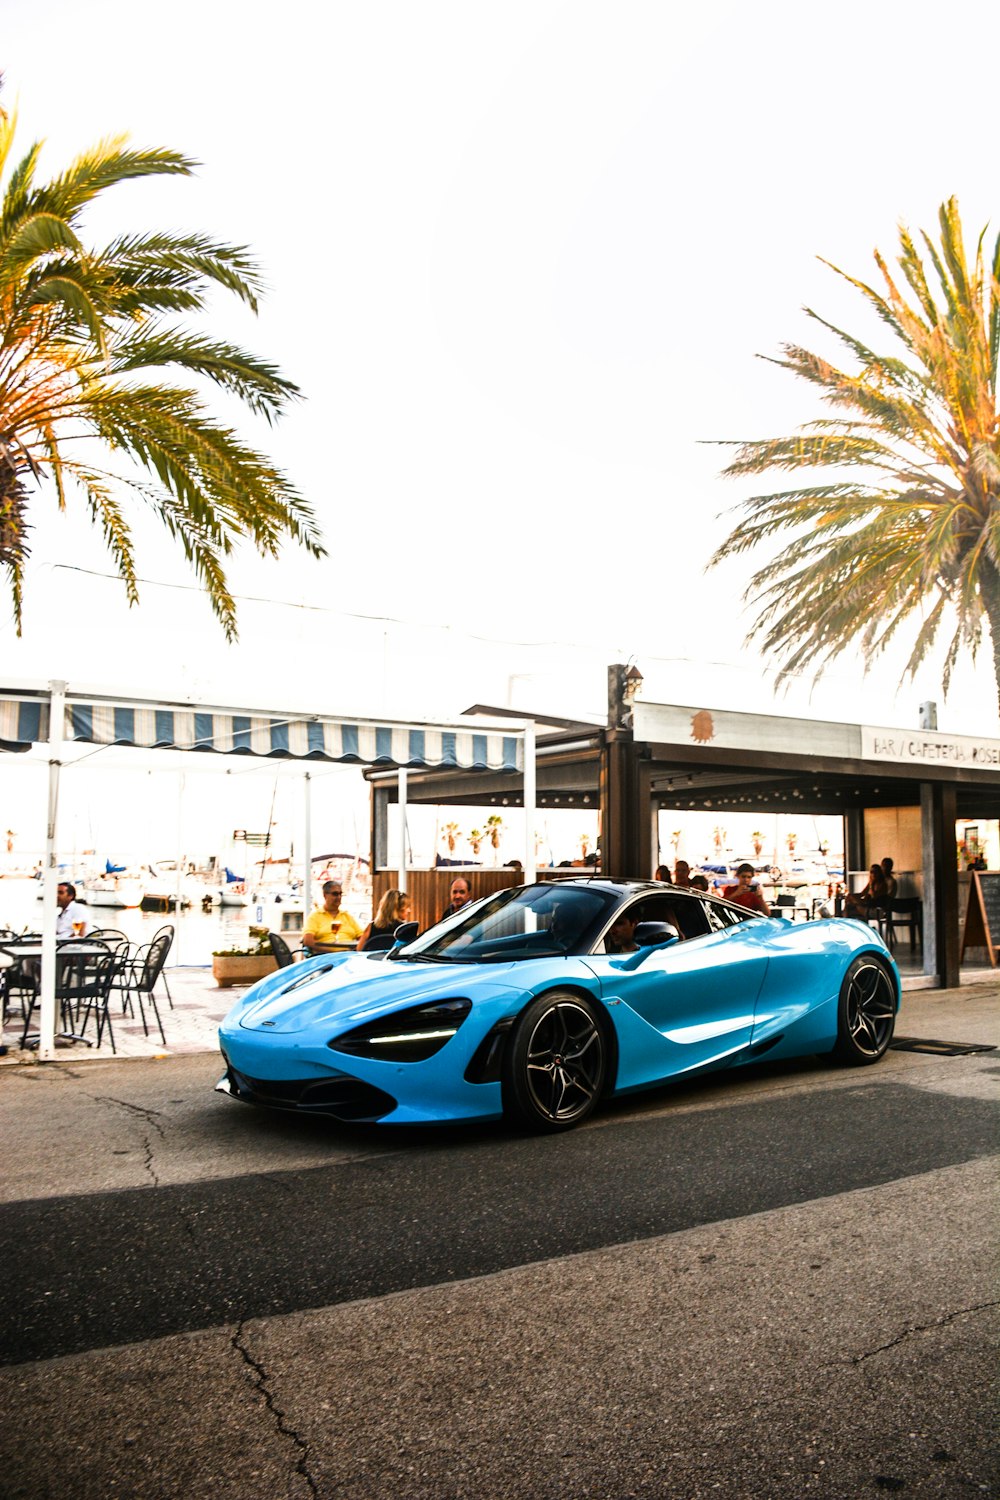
x=902 y=792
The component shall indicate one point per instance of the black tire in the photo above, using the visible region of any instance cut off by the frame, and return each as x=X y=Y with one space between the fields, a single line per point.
x=556 y=1063
x=867 y=1014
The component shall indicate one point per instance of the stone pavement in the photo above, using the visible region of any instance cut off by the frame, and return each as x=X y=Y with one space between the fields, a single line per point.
x=190 y=1021
x=199 y=1004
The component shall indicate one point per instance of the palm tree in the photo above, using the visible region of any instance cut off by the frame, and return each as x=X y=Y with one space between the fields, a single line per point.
x=91 y=348
x=908 y=530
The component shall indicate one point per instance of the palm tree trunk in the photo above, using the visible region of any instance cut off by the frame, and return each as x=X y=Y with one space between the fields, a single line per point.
x=13 y=509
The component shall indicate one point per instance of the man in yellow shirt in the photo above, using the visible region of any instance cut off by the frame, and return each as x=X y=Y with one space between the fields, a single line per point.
x=330 y=928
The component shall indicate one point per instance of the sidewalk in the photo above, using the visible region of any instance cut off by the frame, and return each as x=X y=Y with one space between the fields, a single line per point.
x=199 y=1004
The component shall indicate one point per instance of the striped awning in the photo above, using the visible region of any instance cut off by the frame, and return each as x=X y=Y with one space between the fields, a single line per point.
x=24 y=720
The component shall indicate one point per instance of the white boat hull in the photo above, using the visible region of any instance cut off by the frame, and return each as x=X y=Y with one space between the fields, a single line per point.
x=233 y=896
x=119 y=893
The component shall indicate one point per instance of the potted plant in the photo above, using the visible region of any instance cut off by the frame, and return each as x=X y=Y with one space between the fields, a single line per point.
x=244 y=965
x=758 y=842
x=476 y=836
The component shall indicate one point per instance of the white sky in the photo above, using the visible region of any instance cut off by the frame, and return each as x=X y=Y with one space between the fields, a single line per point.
x=522 y=258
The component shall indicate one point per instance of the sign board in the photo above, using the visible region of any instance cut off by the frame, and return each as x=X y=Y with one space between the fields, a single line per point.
x=982 y=920
x=926 y=747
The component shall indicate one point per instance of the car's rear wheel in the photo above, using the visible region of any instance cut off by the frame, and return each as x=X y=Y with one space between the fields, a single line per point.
x=867 y=1015
x=556 y=1064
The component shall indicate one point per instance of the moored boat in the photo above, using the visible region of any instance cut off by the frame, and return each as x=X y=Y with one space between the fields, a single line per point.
x=234 y=891
x=111 y=890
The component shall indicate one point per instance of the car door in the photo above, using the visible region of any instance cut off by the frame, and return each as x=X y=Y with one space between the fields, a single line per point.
x=690 y=1004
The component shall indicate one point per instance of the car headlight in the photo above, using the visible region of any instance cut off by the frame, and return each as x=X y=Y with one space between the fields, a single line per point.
x=407 y=1035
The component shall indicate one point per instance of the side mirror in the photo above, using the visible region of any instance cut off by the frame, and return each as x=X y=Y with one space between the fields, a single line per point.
x=648 y=934
x=405 y=933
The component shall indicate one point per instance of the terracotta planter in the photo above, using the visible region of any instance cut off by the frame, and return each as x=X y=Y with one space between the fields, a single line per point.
x=241 y=968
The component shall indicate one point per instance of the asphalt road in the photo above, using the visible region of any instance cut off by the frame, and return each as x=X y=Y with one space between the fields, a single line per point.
x=778 y=1284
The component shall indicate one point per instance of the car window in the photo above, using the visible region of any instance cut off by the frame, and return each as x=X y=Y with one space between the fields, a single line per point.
x=519 y=922
x=722 y=915
x=684 y=913
x=691 y=917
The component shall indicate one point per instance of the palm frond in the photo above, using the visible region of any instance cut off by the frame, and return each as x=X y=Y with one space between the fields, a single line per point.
x=191 y=260
x=909 y=530
x=256 y=382
x=34 y=235
x=87 y=356
x=104 y=166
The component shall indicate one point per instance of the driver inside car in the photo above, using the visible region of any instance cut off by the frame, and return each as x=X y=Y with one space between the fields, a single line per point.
x=621 y=934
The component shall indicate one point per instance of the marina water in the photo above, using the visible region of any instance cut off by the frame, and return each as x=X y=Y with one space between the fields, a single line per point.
x=196 y=932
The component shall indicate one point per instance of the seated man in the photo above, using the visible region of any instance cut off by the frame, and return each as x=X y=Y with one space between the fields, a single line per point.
x=329 y=928
x=71 y=918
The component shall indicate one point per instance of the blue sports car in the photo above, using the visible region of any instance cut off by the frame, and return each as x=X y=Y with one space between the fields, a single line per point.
x=541 y=1000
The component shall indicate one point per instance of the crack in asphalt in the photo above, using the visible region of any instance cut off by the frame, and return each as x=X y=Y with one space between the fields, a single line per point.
x=942 y=1322
x=151 y=1118
x=261 y=1379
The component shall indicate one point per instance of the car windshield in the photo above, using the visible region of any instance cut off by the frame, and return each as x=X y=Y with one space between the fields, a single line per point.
x=532 y=921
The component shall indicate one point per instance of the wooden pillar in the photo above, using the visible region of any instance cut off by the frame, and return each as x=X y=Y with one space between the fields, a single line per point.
x=625 y=824
x=855 y=853
x=646 y=816
x=379 y=826
x=938 y=809
x=625 y=789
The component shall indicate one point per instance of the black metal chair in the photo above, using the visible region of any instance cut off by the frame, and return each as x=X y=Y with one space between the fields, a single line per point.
x=382 y=942
x=168 y=930
x=83 y=989
x=135 y=977
x=18 y=980
x=906 y=912
x=109 y=935
x=282 y=952
x=84 y=971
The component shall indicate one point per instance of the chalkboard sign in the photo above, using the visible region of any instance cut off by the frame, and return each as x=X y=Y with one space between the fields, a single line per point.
x=982 y=921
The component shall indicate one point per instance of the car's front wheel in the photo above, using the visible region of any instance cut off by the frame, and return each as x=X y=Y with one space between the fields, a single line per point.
x=867 y=1015
x=556 y=1064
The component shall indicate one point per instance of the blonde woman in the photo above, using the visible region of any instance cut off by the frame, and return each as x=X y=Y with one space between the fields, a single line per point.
x=393 y=908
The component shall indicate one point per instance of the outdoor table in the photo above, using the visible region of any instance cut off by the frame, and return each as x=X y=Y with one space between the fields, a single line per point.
x=15 y=952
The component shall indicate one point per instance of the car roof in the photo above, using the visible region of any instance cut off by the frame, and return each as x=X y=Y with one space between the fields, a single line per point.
x=624 y=887
x=628 y=887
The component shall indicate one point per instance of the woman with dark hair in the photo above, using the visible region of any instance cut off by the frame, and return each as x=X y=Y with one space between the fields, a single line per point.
x=875 y=894
x=393 y=909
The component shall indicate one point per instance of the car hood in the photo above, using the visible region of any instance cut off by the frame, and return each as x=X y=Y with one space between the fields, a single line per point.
x=356 y=989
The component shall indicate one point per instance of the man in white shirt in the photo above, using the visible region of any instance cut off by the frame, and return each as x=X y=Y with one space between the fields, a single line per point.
x=71 y=919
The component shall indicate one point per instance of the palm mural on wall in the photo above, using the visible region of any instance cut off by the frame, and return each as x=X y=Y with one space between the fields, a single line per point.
x=91 y=347
x=906 y=534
